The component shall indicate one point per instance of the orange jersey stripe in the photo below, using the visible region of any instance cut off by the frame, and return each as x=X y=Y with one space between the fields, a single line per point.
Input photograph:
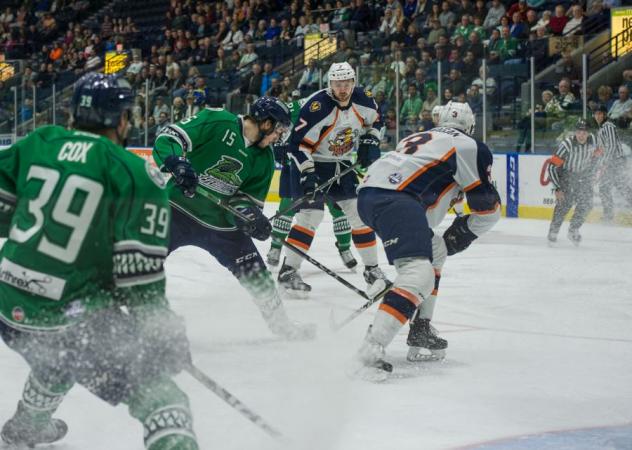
x=362 y=231
x=328 y=130
x=300 y=244
x=469 y=187
x=393 y=312
x=358 y=115
x=428 y=166
x=445 y=191
x=412 y=298
x=365 y=244
x=304 y=230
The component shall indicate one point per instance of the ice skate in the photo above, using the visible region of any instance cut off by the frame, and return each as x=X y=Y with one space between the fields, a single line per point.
x=370 y=364
x=282 y=326
x=25 y=430
x=574 y=236
x=423 y=336
x=292 y=283
x=347 y=257
x=273 y=257
x=376 y=281
x=552 y=237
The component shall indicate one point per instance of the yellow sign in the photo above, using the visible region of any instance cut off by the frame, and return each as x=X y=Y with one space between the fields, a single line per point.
x=318 y=47
x=6 y=71
x=621 y=27
x=114 y=62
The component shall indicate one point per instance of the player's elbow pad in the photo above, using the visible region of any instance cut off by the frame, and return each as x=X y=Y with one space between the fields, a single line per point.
x=458 y=236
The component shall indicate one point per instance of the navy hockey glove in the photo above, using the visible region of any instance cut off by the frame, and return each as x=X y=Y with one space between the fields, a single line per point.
x=183 y=173
x=280 y=152
x=257 y=226
x=458 y=236
x=368 y=150
x=309 y=183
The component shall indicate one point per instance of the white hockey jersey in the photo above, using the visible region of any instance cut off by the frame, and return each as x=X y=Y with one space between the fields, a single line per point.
x=435 y=167
x=325 y=132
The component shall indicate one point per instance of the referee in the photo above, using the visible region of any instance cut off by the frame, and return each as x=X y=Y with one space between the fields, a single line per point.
x=613 y=170
x=572 y=171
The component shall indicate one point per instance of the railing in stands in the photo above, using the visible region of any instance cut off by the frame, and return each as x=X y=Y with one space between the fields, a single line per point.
x=609 y=51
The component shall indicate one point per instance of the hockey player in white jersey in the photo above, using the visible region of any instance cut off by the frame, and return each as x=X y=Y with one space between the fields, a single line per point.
x=331 y=125
x=405 y=194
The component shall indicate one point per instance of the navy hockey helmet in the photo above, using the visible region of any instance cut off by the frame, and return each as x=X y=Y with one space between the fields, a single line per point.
x=273 y=109
x=99 y=101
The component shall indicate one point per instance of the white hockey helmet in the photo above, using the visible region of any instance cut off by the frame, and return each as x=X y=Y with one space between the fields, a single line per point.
x=340 y=71
x=457 y=115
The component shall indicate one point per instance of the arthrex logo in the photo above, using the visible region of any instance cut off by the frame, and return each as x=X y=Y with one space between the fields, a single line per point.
x=28 y=280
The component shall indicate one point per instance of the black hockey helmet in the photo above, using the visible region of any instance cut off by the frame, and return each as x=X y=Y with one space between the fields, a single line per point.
x=271 y=108
x=581 y=125
x=99 y=100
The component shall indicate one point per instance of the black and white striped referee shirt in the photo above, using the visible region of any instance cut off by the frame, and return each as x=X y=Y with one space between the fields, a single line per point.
x=608 y=141
x=571 y=156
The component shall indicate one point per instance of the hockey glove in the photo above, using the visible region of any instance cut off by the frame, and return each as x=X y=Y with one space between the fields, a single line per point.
x=280 y=152
x=183 y=173
x=309 y=183
x=257 y=226
x=368 y=150
x=458 y=236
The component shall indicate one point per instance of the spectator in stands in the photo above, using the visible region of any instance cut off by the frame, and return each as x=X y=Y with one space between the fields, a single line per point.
x=431 y=99
x=447 y=17
x=621 y=110
x=266 y=81
x=273 y=31
x=191 y=108
x=543 y=22
x=558 y=21
x=431 y=16
x=520 y=7
x=489 y=82
x=627 y=78
x=340 y=17
x=425 y=120
x=447 y=96
x=599 y=16
x=496 y=11
x=162 y=122
x=508 y=47
x=178 y=109
x=247 y=58
x=474 y=98
x=475 y=45
x=159 y=107
x=275 y=88
x=7 y=16
x=383 y=105
x=470 y=67
x=301 y=30
x=388 y=23
x=566 y=67
x=573 y=26
x=464 y=28
x=436 y=32
x=360 y=19
x=233 y=38
x=310 y=79
x=518 y=29
x=251 y=84
x=455 y=82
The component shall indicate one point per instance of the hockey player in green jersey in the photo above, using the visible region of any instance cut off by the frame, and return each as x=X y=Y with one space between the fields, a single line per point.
x=282 y=224
x=82 y=286
x=230 y=157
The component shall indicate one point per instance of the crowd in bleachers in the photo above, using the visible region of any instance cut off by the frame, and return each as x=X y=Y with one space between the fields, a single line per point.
x=207 y=49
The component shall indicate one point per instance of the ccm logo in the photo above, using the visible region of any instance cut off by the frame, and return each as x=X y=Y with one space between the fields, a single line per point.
x=391 y=242
x=247 y=257
x=512 y=179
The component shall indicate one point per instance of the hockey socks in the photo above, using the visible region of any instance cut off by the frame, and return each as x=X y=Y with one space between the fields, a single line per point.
x=163 y=409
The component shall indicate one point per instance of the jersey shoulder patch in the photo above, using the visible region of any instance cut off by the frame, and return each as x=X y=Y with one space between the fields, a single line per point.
x=363 y=97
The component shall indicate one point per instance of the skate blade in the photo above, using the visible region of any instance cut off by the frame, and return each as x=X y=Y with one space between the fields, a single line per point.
x=359 y=371
x=294 y=294
x=378 y=289
x=415 y=355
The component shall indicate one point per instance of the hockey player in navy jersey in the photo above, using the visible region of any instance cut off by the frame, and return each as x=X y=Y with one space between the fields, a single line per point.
x=405 y=194
x=331 y=125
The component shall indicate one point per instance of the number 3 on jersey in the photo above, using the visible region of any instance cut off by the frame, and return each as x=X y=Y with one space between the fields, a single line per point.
x=63 y=212
x=412 y=144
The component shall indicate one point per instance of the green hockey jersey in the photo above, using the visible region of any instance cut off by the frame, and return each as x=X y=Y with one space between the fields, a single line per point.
x=87 y=225
x=228 y=166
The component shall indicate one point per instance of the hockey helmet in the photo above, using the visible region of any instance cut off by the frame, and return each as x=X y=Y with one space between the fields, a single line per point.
x=340 y=72
x=99 y=101
x=271 y=108
x=457 y=115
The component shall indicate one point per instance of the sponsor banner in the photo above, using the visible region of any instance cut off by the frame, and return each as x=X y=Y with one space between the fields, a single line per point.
x=143 y=152
x=6 y=140
x=31 y=281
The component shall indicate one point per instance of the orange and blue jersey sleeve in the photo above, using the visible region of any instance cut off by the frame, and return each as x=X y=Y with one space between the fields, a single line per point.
x=482 y=196
x=307 y=130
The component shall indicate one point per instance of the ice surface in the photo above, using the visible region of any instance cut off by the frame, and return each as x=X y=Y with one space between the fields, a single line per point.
x=540 y=339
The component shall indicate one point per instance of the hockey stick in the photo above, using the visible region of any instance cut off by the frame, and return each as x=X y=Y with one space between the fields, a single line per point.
x=337 y=326
x=233 y=401
x=322 y=267
x=319 y=188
